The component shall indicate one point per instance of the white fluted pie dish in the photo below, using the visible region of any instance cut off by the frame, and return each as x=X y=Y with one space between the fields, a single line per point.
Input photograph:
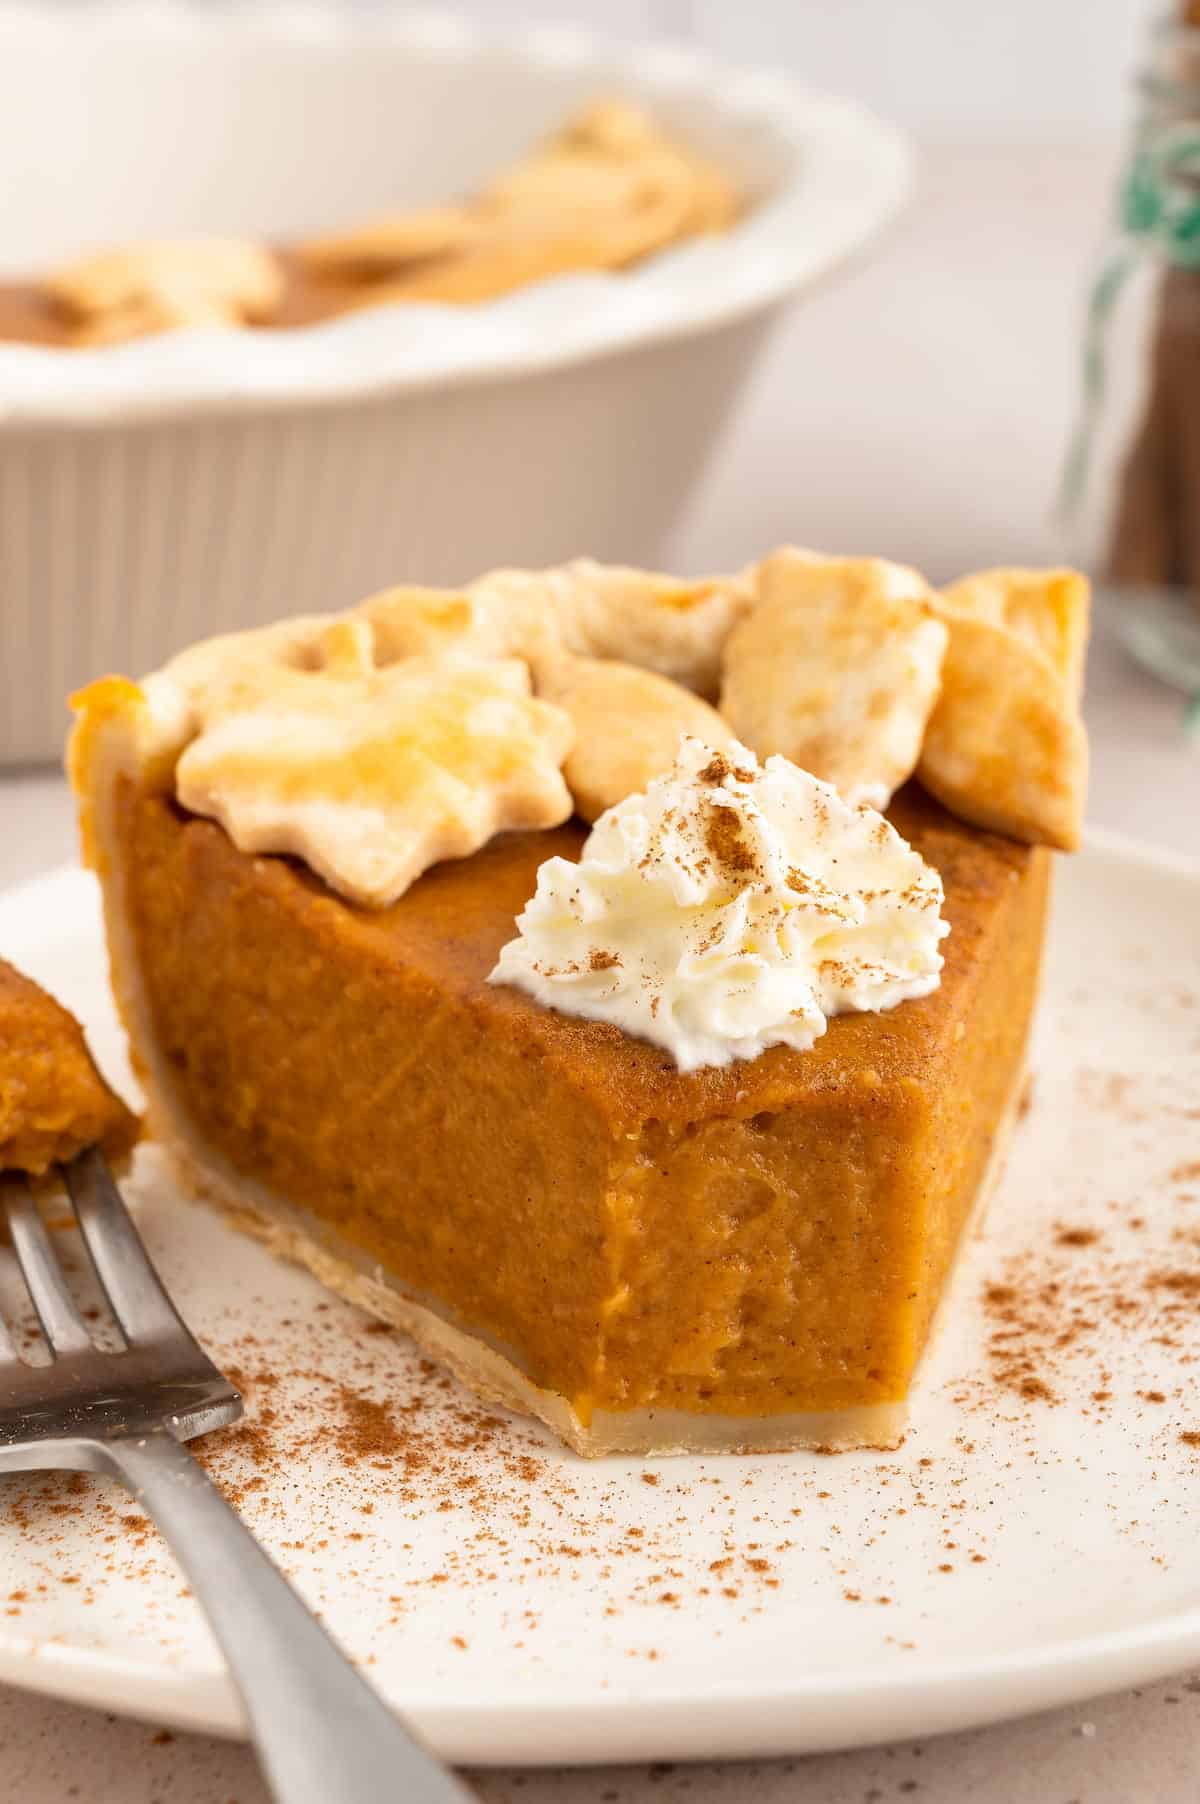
x=189 y=483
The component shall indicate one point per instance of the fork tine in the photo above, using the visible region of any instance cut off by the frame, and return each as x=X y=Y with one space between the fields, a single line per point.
x=131 y=1284
x=61 y=1321
x=8 y=1346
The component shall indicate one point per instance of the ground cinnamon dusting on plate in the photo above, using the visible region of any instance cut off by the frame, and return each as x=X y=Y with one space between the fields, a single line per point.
x=1076 y=1237
x=365 y=1428
x=391 y=1495
x=1050 y=1306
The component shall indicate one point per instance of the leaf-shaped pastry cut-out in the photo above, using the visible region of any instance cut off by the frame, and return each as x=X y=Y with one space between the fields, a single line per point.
x=1005 y=746
x=628 y=724
x=382 y=245
x=660 y=623
x=836 y=667
x=372 y=774
x=135 y=289
x=607 y=189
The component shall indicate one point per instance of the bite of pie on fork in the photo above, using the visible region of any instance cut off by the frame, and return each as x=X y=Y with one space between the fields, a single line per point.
x=323 y=1735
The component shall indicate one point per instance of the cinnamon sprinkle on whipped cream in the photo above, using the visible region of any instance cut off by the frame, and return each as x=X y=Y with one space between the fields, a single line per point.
x=728 y=908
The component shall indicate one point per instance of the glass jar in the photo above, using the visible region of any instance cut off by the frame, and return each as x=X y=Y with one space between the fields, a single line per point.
x=1131 y=488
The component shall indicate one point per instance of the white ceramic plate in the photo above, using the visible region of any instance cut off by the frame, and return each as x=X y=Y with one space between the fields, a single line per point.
x=1035 y=1538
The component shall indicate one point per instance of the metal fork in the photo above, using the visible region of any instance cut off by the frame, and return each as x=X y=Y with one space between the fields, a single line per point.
x=323 y=1735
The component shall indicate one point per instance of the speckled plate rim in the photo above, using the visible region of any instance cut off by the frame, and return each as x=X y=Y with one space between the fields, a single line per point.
x=655 y=1719
x=849 y=175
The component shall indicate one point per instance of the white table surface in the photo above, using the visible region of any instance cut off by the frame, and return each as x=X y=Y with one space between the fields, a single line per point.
x=917 y=408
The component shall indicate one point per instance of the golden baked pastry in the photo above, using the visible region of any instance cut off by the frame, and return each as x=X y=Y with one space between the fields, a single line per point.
x=604 y=766
x=678 y=629
x=837 y=666
x=371 y=773
x=158 y=286
x=607 y=190
x=1005 y=745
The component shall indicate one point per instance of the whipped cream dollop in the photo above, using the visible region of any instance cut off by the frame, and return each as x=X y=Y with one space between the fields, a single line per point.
x=730 y=907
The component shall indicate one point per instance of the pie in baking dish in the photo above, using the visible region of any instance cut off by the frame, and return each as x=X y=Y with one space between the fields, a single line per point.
x=611 y=187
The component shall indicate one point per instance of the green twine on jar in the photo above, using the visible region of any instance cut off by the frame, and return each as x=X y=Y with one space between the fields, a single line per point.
x=1159 y=211
x=1160 y=196
x=1158 y=215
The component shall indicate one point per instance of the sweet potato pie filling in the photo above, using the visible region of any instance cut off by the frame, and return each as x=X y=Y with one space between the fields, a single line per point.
x=53 y=1100
x=549 y=1180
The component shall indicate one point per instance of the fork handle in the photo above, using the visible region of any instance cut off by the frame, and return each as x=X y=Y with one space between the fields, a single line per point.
x=322 y=1733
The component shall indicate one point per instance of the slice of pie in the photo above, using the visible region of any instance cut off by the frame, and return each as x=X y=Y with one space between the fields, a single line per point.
x=53 y=1101
x=741 y=1254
